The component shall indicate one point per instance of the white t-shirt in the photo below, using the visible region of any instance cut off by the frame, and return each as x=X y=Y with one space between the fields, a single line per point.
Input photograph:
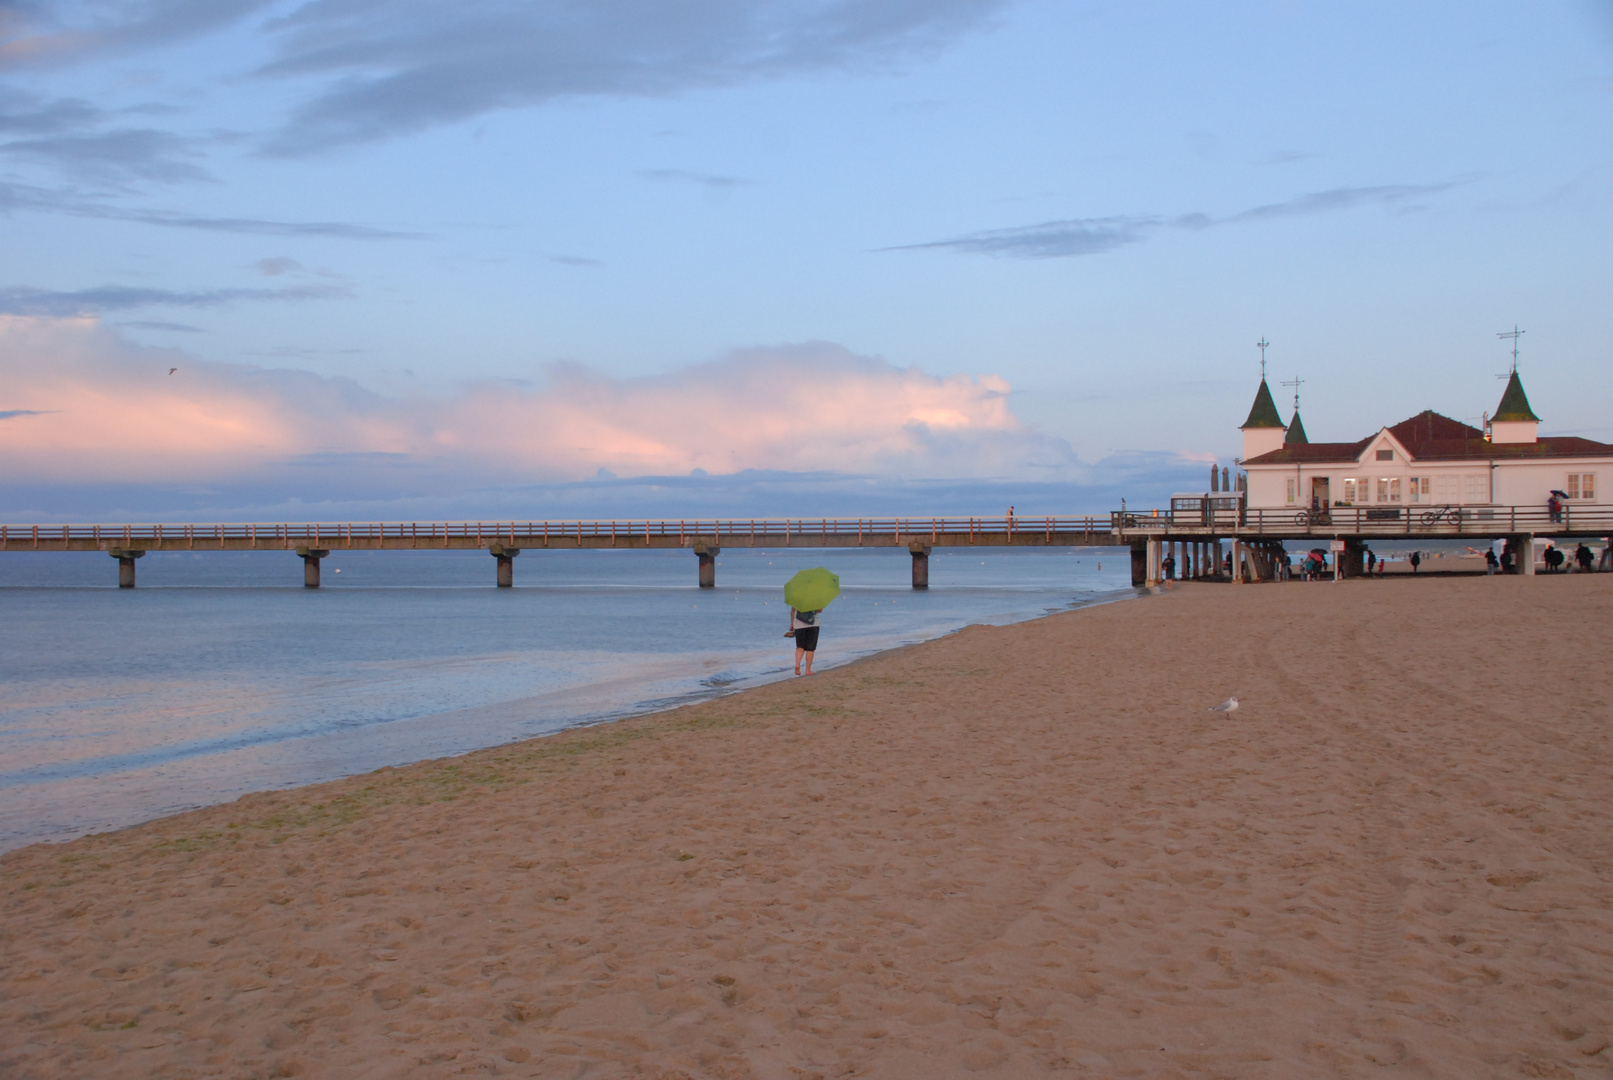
x=799 y=623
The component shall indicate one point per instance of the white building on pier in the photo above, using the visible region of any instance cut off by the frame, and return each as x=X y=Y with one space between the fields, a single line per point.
x=1426 y=460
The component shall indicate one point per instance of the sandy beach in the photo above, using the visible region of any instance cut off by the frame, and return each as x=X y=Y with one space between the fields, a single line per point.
x=1013 y=852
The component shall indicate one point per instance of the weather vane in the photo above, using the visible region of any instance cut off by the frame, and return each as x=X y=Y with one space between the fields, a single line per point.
x=1294 y=382
x=1261 y=344
x=1514 y=334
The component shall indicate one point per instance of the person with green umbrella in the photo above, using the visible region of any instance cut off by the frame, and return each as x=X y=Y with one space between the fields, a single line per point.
x=808 y=593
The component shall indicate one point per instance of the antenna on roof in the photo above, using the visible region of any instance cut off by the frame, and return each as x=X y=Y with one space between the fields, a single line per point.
x=1295 y=383
x=1514 y=334
x=1261 y=345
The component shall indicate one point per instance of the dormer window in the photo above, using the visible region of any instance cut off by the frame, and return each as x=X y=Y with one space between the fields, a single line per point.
x=1386 y=455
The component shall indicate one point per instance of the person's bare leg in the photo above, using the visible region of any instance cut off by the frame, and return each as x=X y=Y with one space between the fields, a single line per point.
x=799 y=652
x=809 y=662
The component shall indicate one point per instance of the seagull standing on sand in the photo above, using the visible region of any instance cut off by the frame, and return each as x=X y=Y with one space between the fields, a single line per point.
x=1229 y=706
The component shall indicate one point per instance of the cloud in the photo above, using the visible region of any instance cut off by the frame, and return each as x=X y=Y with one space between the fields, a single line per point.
x=1095 y=236
x=681 y=176
x=575 y=260
x=390 y=67
x=15 y=197
x=30 y=114
x=9 y=414
x=39 y=34
x=279 y=264
x=157 y=324
x=113 y=156
x=116 y=416
x=1326 y=202
x=22 y=300
x=1049 y=240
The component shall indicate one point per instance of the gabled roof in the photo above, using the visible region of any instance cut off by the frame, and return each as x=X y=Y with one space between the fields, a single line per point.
x=1296 y=431
x=1263 y=413
x=1514 y=403
x=1428 y=436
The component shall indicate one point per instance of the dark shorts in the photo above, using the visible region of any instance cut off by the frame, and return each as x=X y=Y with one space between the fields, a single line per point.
x=807 y=638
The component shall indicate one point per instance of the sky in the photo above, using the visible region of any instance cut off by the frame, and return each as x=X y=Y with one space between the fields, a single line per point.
x=411 y=259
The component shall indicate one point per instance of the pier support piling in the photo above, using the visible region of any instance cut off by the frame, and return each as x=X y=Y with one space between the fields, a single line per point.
x=126 y=558
x=310 y=565
x=1523 y=553
x=1139 y=563
x=506 y=564
x=707 y=554
x=921 y=564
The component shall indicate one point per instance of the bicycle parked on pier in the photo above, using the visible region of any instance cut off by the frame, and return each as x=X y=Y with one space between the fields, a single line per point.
x=1452 y=514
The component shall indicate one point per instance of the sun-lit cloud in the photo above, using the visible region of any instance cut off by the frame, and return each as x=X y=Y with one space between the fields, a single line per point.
x=88 y=406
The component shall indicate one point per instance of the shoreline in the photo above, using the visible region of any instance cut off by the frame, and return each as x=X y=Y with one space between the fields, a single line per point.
x=1022 y=850
x=69 y=800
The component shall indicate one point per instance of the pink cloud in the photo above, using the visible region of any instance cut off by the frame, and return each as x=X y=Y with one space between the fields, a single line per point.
x=106 y=410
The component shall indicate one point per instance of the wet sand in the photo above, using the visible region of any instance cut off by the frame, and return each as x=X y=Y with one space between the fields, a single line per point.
x=1013 y=852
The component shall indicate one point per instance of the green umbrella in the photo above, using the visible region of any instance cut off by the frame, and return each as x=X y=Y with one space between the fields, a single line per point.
x=811 y=590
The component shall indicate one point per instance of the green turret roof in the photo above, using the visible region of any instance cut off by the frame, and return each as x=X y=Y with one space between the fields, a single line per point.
x=1296 y=432
x=1264 y=411
x=1514 y=403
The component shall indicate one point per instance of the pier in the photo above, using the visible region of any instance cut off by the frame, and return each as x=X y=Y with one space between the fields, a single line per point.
x=1255 y=536
x=505 y=540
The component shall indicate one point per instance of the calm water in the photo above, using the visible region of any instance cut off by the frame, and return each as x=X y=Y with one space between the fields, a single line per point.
x=220 y=674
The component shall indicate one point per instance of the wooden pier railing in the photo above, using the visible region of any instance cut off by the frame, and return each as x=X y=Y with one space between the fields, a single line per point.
x=639 y=533
x=1427 y=520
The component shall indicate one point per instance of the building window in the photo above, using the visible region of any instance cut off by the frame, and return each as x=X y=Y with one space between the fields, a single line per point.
x=1352 y=492
x=1478 y=488
x=1417 y=489
x=1386 y=455
x=1448 y=489
x=1293 y=490
x=1581 y=485
x=1388 y=489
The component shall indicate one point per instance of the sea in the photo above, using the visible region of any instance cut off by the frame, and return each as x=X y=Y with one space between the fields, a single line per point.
x=220 y=674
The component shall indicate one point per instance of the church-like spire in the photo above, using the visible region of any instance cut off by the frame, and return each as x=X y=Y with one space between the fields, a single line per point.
x=1263 y=413
x=1296 y=431
x=1514 y=405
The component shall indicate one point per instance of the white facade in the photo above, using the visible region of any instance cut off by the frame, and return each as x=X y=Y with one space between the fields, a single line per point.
x=1385 y=475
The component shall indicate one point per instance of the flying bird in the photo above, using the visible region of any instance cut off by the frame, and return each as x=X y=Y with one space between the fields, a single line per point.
x=172 y=370
x=1229 y=706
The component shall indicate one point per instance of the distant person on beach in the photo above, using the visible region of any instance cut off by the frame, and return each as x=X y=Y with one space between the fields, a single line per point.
x=1490 y=561
x=1507 y=558
x=1607 y=556
x=1553 y=558
x=804 y=626
x=1372 y=560
x=1583 y=556
x=1168 y=565
x=1416 y=560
